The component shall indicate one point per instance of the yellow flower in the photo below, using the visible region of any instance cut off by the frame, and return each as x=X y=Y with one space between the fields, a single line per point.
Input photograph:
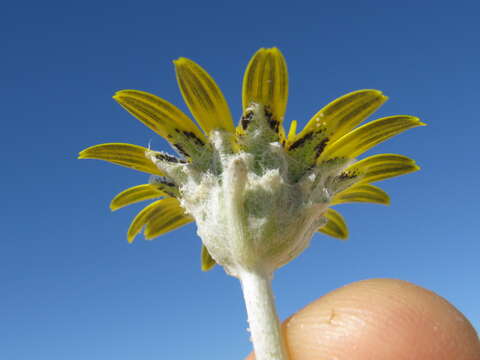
x=256 y=192
x=273 y=169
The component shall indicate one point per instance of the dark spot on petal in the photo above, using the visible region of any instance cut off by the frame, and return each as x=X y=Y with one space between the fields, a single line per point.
x=193 y=137
x=320 y=147
x=272 y=122
x=246 y=119
x=169 y=158
x=166 y=185
x=347 y=175
x=180 y=149
x=301 y=141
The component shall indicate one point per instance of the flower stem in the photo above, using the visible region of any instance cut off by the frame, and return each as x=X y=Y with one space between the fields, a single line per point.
x=262 y=317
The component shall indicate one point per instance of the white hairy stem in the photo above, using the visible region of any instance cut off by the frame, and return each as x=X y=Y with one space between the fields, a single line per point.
x=263 y=321
x=234 y=182
x=256 y=283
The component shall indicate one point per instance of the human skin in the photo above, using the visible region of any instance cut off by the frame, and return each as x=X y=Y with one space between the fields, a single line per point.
x=382 y=319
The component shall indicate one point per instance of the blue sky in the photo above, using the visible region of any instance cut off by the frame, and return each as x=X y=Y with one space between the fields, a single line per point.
x=73 y=288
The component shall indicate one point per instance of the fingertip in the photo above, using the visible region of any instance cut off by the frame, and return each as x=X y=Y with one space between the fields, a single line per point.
x=380 y=319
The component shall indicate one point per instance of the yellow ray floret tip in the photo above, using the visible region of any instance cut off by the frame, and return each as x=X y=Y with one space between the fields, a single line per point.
x=335 y=226
x=382 y=166
x=203 y=96
x=128 y=155
x=362 y=193
x=266 y=81
x=182 y=60
x=343 y=114
x=292 y=131
x=363 y=138
x=135 y=194
x=207 y=262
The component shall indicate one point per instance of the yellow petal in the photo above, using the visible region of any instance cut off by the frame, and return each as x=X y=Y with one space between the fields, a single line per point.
x=171 y=216
x=367 y=136
x=142 y=218
x=162 y=117
x=266 y=82
x=203 y=97
x=335 y=226
x=152 y=214
x=343 y=114
x=128 y=155
x=361 y=193
x=207 y=261
x=292 y=132
x=382 y=166
x=136 y=194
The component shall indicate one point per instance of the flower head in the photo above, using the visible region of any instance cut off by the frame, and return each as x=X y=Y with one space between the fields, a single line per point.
x=256 y=192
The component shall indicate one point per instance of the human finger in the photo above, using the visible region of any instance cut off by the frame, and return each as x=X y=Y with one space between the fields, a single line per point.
x=380 y=319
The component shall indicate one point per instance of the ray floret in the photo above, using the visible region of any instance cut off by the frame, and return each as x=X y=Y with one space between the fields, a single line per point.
x=266 y=82
x=363 y=193
x=128 y=155
x=203 y=97
x=335 y=226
